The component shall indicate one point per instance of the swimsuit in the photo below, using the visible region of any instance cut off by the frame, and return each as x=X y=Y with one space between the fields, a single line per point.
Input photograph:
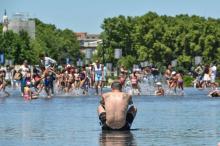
x=134 y=80
x=98 y=74
x=129 y=120
x=180 y=81
x=27 y=97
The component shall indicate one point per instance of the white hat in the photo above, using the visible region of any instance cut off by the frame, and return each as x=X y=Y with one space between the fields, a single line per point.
x=68 y=65
x=173 y=73
x=28 y=83
x=158 y=83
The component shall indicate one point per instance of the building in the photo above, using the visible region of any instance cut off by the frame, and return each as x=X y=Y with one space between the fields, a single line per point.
x=88 y=41
x=20 y=22
x=5 y=22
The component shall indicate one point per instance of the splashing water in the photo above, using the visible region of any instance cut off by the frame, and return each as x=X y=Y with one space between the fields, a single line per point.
x=148 y=86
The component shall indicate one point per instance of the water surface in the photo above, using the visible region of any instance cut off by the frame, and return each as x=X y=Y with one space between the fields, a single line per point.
x=192 y=120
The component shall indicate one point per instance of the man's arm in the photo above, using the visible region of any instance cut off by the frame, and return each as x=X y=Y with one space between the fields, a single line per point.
x=130 y=100
x=102 y=102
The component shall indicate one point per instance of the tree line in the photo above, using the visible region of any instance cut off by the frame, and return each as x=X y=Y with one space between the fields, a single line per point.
x=151 y=37
x=51 y=41
x=161 y=39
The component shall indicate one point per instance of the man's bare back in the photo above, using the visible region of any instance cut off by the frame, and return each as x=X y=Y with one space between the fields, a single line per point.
x=114 y=107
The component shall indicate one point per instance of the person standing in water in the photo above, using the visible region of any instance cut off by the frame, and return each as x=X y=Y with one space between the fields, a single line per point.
x=134 y=83
x=167 y=74
x=116 y=110
x=98 y=77
x=159 y=91
x=3 y=82
x=24 y=72
x=27 y=91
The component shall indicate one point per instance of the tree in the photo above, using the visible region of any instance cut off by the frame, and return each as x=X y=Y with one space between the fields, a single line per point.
x=161 y=39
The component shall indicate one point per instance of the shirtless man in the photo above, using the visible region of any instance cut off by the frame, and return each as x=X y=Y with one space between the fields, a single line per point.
x=179 y=76
x=116 y=111
x=167 y=74
x=134 y=82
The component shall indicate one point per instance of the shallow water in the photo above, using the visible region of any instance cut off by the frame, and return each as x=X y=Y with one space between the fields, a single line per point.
x=192 y=120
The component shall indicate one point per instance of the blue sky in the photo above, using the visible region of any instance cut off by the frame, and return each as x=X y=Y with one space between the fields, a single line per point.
x=88 y=15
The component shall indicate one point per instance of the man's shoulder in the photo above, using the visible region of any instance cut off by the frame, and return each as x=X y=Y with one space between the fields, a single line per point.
x=106 y=94
x=126 y=95
x=118 y=93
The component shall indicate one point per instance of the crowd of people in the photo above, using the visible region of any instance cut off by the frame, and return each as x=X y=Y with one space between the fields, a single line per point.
x=48 y=77
x=116 y=110
x=67 y=78
x=205 y=77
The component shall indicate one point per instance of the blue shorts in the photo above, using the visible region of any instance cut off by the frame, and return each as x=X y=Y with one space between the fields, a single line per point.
x=98 y=78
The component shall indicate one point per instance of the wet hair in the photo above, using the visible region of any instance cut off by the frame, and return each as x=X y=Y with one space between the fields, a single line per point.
x=116 y=85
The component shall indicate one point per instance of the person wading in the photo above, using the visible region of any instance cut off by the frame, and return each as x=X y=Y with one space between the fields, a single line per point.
x=116 y=110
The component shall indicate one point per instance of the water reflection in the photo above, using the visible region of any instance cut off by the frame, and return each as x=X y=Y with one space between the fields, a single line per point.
x=2 y=99
x=117 y=138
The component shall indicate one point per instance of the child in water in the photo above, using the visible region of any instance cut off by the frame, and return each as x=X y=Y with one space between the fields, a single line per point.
x=27 y=91
x=160 y=90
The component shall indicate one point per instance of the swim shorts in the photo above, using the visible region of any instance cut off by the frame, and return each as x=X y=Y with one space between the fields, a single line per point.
x=129 y=120
x=98 y=78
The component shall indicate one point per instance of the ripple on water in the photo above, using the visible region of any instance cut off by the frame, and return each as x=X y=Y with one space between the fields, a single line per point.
x=192 y=119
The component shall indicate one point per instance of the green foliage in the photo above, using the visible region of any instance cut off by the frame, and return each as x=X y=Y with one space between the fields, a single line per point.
x=218 y=80
x=56 y=43
x=127 y=61
x=188 y=81
x=184 y=61
x=161 y=39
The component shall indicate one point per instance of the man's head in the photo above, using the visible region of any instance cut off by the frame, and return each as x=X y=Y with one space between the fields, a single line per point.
x=97 y=61
x=116 y=85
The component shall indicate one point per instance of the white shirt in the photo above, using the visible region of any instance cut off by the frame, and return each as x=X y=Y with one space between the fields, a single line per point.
x=24 y=70
x=98 y=71
x=214 y=69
